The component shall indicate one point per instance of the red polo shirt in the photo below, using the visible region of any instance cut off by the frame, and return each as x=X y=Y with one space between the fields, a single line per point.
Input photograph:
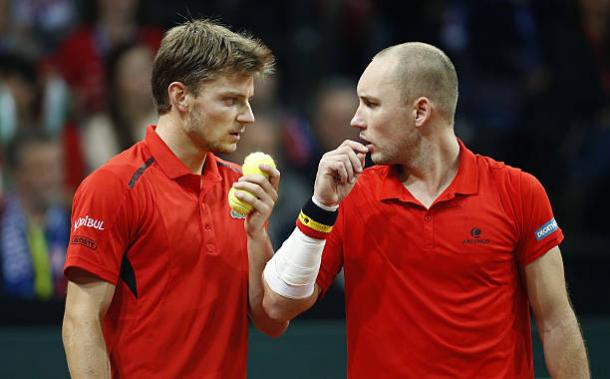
x=165 y=238
x=438 y=293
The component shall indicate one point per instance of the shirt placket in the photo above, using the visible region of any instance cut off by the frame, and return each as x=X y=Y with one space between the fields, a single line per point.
x=206 y=222
x=428 y=230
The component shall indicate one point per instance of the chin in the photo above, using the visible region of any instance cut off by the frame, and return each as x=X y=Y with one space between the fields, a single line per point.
x=225 y=149
x=377 y=158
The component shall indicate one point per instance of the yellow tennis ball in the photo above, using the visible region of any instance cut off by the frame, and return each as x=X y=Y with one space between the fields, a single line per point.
x=254 y=160
x=250 y=167
x=240 y=207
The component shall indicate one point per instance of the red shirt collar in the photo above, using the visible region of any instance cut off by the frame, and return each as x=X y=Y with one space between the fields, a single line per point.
x=465 y=182
x=170 y=164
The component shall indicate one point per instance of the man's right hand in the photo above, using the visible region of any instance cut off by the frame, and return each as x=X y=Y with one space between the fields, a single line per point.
x=338 y=171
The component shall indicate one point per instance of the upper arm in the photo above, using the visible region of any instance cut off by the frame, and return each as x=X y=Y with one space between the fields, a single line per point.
x=88 y=297
x=539 y=232
x=546 y=287
x=103 y=220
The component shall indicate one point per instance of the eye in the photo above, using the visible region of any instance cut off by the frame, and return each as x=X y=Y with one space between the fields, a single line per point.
x=229 y=101
x=369 y=103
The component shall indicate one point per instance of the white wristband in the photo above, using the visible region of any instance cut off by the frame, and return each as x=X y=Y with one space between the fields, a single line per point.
x=293 y=270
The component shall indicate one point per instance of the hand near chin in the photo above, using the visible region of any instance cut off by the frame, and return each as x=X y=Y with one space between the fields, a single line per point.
x=338 y=171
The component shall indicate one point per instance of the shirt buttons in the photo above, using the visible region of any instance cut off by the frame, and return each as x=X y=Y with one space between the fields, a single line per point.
x=207 y=227
x=428 y=218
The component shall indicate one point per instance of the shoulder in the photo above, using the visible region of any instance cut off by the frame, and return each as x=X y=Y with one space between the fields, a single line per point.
x=505 y=178
x=116 y=175
x=498 y=173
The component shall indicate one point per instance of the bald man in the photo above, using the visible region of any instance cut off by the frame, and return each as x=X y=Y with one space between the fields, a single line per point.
x=444 y=251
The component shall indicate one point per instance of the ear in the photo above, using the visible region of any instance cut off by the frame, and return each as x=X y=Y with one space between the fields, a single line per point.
x=422 y=111
x=179 y=96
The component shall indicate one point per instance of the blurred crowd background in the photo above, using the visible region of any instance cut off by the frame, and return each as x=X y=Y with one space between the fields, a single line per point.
x=75 y=90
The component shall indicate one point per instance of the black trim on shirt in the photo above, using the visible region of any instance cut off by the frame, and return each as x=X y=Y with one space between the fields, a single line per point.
x=140 y=171
x=220 y=163
x=128 y=275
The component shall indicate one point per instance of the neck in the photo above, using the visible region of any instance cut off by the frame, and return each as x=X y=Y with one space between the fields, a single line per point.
x=433 y=166
x=170 y=130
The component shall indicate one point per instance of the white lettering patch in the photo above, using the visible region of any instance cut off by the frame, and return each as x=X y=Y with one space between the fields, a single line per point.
x=546 y=229
x=88 y=222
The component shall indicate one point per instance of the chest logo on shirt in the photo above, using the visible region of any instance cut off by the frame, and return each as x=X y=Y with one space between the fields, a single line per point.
x=88 y=222
x=475 y=237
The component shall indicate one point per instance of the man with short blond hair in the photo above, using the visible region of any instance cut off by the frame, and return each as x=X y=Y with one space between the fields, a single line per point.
x=161 y=278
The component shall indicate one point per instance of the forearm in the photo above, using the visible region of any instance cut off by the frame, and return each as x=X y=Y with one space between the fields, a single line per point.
x=281 y=308
x=259 y=252
x=85 y=348
x=564 y=348
x=290 y=276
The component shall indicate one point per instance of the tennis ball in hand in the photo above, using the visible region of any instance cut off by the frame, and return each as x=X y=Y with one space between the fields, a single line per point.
x=250 y=167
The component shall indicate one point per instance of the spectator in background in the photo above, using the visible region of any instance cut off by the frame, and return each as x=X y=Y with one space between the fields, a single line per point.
x=130 y=106
x=41 y=24
x=19 y=94
x=34 y=27
x=5 y=23
x=333 y=105
x=28 y=100
x=34 y=224
x=503 y=69
x=81 y=58
x=580 y=65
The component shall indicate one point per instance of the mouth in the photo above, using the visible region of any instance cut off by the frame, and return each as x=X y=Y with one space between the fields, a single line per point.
x=236 y=135
x=366 y=143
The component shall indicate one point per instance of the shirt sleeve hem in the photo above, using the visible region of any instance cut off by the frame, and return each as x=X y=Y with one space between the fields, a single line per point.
x=91 y=268
x=543 y=249
x=324 y=284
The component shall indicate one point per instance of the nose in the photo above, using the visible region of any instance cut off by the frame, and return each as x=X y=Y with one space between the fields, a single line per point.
x=246 y=116
x=357 y=121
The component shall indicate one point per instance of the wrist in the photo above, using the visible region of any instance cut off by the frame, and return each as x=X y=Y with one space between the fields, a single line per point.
x=258 y=235
x=326 y=207
x=316 y=221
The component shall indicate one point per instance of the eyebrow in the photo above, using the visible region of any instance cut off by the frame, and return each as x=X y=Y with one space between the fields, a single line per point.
x=236 y=94
x=368 y=97
x=232 y=93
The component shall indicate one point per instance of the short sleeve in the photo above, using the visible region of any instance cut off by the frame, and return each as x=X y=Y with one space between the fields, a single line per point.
x=332 y=256
x=99 y=233
x=539 y=229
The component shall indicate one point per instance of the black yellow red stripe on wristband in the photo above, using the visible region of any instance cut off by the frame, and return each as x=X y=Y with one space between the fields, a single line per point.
x=316 y=222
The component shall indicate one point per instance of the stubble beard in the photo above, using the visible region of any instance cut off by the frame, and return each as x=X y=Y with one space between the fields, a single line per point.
x=196 y=131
